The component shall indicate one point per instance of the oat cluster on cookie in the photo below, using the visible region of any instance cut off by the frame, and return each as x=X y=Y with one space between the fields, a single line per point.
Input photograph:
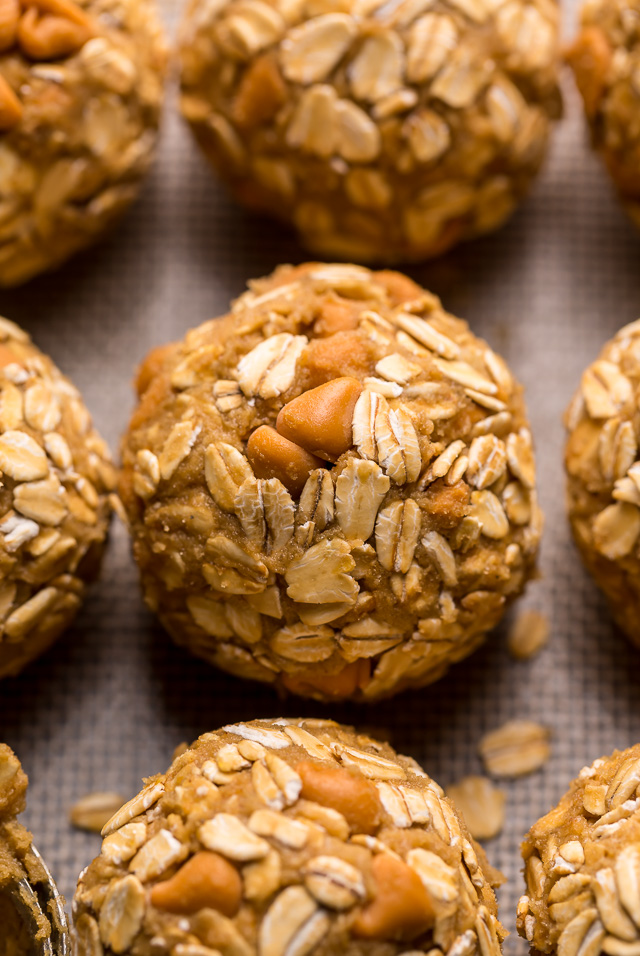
x=56 y=477
x=385 y=132
x=283 y=837
x=332 y=489
x=582 y=865
x=80 y=98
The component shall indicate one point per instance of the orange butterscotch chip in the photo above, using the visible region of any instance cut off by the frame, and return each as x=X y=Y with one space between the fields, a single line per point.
x=273 y=456
x=590 y=58
x=207 y=880
x=9 y=16
x=337 y=686
x=355 y=797
x=10 y=106
x=320 y=419
x=345 y=353
x=49 y=37
x=261 y=93
x=401 y=909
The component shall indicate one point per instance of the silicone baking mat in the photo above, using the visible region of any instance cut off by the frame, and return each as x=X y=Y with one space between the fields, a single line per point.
x=113 y=698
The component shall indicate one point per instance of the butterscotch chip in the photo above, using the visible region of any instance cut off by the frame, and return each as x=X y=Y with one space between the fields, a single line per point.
x=602 y=58
x=285 y=837
x=57 y=477
x=381 y=133
x=582 y=864
x=338 y=506
x=602 y=461
x=80 y=101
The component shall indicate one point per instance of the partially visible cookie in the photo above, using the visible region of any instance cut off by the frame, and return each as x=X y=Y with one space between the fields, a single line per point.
x=582 y=865
x=602 y=460
x=605 y=58
x=80 y=98
x=383 y=132
x=288 y=838
x=54 y=500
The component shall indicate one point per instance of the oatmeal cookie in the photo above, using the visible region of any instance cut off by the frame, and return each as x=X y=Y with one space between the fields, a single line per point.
x=605 y=58
x=331 y=489
x=603 y=468
x=384 y=132
x=31 y=910
x=288 y=837
x=80 y=98
x=54 y=500
x=582 y=865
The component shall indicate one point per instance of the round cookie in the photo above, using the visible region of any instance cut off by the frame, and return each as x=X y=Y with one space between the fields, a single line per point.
x=80 y=98
x=384 y=132
x=331 y=489
x=54 y=500
x=31 y=909
x=605 y=59
x=582 y=865
x=601 y=459
x=288 y=837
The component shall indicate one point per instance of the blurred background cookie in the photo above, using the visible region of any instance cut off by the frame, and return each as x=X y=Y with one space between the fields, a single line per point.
x=54 y=500
x=331 y=489
x=80 y=99
x=601 y=459
x=605 y=59
x=384 y=132
x=283 y=837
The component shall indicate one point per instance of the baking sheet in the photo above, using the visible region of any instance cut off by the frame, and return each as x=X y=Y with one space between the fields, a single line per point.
x=111 y=701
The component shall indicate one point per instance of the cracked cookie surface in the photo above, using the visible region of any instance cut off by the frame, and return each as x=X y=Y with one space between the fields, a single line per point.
x=332 y=488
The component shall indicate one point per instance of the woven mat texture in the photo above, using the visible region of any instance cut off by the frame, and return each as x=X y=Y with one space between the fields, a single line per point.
x=114 y=697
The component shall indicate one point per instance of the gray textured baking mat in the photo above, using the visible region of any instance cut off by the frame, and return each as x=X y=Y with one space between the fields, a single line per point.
x=112 y=700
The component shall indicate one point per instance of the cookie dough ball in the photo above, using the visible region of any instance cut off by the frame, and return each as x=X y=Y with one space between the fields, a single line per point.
x=385 y=132
x=54 y=500
x=582 y=865
x=331 y=489
x=605 y=59
x=601 y=458
x=31 y=909
x=80 y=97
x=289 y=836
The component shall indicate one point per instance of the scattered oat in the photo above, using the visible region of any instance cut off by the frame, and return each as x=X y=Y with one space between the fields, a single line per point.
x=529 y=633
x=515 y=749
x=94 y=810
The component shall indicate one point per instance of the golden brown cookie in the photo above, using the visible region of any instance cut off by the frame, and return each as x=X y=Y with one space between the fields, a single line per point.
x=582 y=865
x=384 y=132
x=288 y=837
x=80 y=98
x=331 y=489
x=54 y=500
x=601 y=459
x=605 y=58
